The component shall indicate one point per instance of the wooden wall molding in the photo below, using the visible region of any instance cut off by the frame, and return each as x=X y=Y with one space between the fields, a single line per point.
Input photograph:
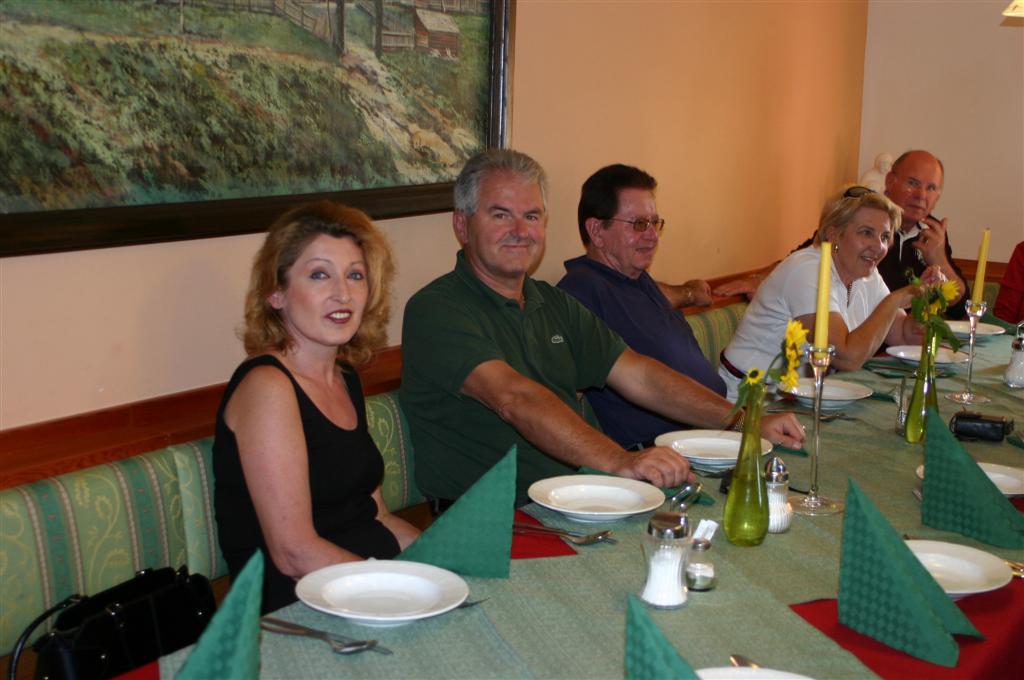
x=51 y=448
x=57 y=446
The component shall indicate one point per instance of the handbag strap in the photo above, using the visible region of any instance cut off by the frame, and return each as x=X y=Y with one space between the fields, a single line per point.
x=20 y=644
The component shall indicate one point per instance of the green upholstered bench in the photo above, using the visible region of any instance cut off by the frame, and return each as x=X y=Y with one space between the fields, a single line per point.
x=714 y=328
x=87 y=530
x=990 y=293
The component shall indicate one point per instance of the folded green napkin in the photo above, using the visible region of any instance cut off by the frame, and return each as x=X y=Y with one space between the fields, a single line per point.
x=882 y=396
x=649 y=655
x=991 y=318
x=779 y=449
x=474 y=536
x=1015 y=440
x=230 y=645
x=959 y=496
x=885 y=592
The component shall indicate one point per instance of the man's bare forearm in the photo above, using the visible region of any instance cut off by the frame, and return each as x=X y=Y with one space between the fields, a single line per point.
x=649 y=383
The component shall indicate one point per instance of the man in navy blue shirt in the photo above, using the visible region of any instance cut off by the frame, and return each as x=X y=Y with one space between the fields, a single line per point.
x=620 y=226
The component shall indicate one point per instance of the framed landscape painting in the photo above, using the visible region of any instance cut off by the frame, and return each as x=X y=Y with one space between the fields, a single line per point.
x=137 y=121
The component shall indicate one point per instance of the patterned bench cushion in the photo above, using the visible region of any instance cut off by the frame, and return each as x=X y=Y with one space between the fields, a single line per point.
x=714 y=328
x=990 y=293
x=194 y=461
x=85 y=531
x=388 y=428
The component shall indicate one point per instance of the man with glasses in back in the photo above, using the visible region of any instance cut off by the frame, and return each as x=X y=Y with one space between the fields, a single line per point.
x=492 y=358
x=620 y=227
x=914 y=183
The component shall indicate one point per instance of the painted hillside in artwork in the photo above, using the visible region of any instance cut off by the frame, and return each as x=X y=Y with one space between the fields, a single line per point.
x=134 y=102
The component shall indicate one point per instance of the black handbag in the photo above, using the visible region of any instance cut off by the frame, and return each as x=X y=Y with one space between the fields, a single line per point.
x=156 y=612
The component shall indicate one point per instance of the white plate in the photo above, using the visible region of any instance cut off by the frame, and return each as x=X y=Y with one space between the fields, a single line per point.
x=731 y=673
x=595 y=498
x=709 y=448
x=911 y=354
x=1009 y=480
x=837 y=393
x=962 y=329
x=959 y=569
x=382 y=592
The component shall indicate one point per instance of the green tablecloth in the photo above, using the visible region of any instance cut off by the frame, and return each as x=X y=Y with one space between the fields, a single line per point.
x=564 y=617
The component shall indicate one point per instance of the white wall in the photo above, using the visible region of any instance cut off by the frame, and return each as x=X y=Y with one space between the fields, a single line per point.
x=949 y=77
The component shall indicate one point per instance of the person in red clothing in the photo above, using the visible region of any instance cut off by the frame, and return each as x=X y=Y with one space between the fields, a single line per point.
x=1010 y=302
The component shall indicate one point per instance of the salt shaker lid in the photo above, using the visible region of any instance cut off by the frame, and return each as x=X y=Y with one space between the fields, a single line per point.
x=775 y=470
x=669 y=525
x=700 y=544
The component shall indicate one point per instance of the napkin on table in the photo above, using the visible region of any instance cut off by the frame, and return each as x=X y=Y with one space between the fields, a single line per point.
x=1015 y=440
x=882 y=396
x=960 y=497
x=474 y=536
x=886 y=593
x=785 y=450
x=991 y=318
x=649 y=655
x=230 y=645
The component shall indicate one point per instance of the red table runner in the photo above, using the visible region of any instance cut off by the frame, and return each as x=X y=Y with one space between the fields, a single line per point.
x=529 y=546
x=999 y=615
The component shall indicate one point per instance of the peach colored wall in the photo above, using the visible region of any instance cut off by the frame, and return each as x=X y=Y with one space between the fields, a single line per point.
x=959 y=92
x=747 y=112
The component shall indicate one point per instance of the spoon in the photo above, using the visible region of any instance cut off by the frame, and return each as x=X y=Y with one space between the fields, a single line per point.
x=741 y=661
x=685 y=497
x=339 y=643
x=825 y=417
x=572 y=537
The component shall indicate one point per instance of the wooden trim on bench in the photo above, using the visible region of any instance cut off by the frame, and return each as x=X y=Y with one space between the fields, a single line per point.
x=57 y=446
x=993 y=271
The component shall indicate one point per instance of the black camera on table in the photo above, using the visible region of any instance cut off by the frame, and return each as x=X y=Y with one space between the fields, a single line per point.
x=973 y=426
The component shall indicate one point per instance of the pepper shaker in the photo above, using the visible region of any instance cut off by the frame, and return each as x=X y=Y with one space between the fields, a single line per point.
x=780 y=512
x=1014 y=376
x=665 y=550
x=700 y=570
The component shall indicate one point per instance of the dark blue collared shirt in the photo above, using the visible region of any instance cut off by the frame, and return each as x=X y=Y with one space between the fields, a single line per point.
x=637 y=310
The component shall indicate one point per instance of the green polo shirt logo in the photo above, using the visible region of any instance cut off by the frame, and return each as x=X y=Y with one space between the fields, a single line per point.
x=557 y=339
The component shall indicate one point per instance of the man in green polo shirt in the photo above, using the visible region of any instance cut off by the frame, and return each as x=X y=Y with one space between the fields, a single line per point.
x=493 y=358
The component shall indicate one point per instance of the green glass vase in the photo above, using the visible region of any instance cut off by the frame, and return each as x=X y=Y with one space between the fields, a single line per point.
x=925 y=394
x=746 y=508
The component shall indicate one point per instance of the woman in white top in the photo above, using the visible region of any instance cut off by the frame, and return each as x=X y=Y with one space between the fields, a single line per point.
x=863 y=313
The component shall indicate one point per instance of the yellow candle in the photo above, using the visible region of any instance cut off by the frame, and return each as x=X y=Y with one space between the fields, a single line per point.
x=824 y=283
x=979 y=274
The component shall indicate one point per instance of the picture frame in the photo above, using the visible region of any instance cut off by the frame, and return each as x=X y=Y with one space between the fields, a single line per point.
x=49 y=231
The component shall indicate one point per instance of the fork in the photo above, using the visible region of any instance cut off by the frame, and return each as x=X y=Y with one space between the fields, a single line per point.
x=339 y=643
x=572 y=537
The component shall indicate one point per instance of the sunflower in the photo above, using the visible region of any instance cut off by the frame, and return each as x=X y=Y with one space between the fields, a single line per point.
x=754 y=376
x=949 y=290
x=796 y=334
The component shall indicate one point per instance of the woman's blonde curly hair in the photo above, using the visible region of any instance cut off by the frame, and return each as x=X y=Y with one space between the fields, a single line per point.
x=264 y=328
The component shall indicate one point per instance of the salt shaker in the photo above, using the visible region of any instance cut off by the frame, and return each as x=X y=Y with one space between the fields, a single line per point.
x=700 y=570
x=780 y=512
x=665 y=550
x=1014 y=376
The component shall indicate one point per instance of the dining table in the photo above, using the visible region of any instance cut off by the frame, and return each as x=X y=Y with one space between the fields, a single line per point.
x=565 y=616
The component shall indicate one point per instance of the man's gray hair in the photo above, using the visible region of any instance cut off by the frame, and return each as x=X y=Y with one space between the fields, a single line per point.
x=467 y=185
